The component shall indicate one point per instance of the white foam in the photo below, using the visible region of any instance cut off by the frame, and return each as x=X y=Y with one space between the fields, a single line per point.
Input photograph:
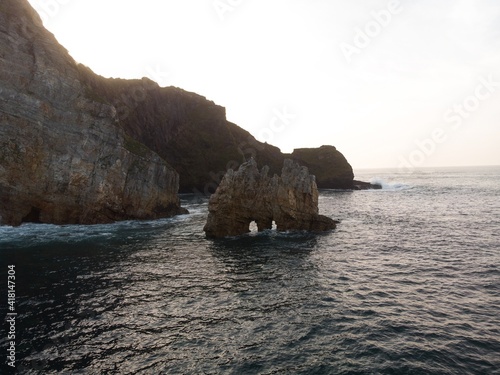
x=34 y=234
x=390 y=186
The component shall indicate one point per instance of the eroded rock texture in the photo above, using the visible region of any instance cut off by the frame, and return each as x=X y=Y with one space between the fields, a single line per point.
x=63 y=159
x=290 y=200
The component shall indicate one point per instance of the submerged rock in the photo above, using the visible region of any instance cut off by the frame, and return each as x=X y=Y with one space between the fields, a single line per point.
x=290 y=200
x=63 y=157
x=360 y=185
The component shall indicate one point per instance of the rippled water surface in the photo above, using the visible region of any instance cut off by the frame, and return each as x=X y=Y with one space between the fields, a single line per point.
x=409 y=283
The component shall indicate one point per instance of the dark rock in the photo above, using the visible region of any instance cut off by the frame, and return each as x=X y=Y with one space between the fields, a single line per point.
x=184 y=128
x=330 y=167
x=360 y=185
x=247 y=195
x=193 y=135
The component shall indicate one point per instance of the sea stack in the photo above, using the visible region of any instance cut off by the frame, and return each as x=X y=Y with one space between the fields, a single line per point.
x=290 y=200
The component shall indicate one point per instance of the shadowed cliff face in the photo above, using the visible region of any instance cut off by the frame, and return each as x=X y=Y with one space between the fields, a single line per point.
x=184 y=128
x=193 y=135
x=62 y=157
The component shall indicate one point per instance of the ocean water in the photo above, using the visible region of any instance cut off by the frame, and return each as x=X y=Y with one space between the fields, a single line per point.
x=409 y=283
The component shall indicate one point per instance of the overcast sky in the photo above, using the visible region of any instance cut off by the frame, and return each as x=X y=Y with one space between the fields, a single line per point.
x=389 y=83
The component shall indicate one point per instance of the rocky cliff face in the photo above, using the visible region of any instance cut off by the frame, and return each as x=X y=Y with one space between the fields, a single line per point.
x=76 y=146
x=291 y=200
x=193 y=135
x=184 y=128
x=63 y=159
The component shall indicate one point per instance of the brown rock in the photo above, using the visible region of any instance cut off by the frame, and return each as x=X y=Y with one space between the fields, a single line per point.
x=63 y=159
x=247 y=195
x=330 y=167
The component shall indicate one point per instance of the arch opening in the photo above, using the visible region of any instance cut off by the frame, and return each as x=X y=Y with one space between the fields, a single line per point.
x=252 y=227
x=33 y=216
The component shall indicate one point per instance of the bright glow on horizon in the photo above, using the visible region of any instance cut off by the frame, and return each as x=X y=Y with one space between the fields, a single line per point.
x=381 y=106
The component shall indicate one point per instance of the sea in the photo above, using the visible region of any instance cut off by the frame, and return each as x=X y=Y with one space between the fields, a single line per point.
x=408 y=283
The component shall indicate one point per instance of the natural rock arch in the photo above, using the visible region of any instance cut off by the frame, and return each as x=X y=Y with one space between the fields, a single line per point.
x=290 y=200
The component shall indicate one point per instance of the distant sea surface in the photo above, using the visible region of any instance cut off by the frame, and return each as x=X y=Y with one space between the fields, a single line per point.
x=409 y=283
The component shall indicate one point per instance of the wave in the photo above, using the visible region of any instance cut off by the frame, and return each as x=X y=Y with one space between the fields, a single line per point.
x=29 y=234
x=389 y=186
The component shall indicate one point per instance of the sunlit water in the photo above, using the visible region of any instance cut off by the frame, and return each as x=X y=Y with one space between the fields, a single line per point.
x=409 y=283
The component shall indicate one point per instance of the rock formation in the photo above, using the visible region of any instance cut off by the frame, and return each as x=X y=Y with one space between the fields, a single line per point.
x=187 y=130
x=63 y=159
x=291 y=200
x=80 y=148
x=331 y=168
x=194 y=136
x=360 y=185
x=190 y=132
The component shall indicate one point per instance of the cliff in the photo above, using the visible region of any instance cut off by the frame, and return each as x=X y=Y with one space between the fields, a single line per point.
x=80 y=148
x=189 y=131
x=194 y=136
x=291 y=200
x=63 y=159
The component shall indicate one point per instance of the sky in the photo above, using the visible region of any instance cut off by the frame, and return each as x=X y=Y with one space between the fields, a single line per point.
x=390 y=83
